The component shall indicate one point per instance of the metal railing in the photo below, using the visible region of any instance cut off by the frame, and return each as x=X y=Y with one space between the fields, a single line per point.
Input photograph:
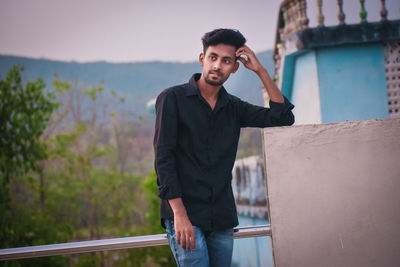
x=112 y=244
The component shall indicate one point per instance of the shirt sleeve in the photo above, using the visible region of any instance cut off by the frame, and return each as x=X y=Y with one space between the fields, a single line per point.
x=165 y=142
x=279 y=114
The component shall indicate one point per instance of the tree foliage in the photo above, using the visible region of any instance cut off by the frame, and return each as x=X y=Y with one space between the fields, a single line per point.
x=24 y=114
x=76 y=167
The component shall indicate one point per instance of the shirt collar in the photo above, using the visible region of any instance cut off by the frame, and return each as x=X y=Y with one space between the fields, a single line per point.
x=192 y=89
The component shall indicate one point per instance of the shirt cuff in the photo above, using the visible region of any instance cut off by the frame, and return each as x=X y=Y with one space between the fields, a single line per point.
x=169 y=192
x=284 y=107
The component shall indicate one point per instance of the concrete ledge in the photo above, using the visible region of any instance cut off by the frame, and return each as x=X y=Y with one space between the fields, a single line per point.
x=342 y=35
x=350 y=34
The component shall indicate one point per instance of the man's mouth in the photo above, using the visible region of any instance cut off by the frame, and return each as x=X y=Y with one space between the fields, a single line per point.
x=217 y=73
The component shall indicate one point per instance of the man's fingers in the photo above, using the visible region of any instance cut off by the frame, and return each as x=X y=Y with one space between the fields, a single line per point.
x=243 y=60
x=188 y=237
x=178 y=237
x=193 y=242
x=244 y=50
x=183 y=241
x=184 y=232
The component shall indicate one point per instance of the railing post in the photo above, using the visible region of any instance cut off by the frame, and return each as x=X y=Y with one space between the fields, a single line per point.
x=320 y=16
x=384 y=11
x=363 y=13
x=303 y=11
x=341 y=15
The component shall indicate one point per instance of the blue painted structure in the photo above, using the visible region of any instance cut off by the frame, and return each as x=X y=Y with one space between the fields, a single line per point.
x=337 y=73
x=335 y=84
x=352 y=83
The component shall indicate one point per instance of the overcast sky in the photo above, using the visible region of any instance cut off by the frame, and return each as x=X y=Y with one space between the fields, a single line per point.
x=144 y=30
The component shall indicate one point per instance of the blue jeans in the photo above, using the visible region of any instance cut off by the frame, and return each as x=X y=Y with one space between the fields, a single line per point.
x=213 y=248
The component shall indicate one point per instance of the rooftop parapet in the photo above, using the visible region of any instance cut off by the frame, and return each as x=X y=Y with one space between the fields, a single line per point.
x=293 y=32
x=295 y=39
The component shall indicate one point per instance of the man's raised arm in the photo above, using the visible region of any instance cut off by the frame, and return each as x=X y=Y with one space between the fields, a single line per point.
x=252 y=63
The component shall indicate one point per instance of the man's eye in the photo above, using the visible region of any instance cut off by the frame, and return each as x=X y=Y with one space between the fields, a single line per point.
x=227 y=61
x=213 y=58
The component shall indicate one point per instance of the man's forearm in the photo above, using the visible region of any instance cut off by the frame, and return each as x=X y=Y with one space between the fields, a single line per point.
x=272 y=90
x=177 y=206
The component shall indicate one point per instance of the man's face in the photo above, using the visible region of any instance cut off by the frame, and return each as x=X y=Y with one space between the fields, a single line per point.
x=218 y=63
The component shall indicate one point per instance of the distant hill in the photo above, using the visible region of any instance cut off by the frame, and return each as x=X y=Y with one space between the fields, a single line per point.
x=138 y=82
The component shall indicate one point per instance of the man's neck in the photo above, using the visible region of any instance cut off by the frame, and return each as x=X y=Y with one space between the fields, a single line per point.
x=207 y=90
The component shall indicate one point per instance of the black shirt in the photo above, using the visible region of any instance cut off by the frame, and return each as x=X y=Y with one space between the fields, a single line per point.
x=195 y=149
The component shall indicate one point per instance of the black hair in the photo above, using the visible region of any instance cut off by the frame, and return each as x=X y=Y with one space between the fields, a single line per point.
x=223 y=36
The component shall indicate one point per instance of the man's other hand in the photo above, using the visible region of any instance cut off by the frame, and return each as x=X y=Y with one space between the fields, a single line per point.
x=184 y=232
x=183 y=227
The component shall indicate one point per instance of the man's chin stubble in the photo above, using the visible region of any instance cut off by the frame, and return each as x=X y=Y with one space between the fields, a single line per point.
x=216 y=83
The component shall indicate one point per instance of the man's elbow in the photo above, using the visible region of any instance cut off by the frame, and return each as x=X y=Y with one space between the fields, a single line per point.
x=288 y=120
x=291 y=120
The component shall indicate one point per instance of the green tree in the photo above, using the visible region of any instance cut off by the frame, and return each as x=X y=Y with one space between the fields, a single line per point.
x=25 y=111
x=87 y=178
x=161 y=255
x=24 y=114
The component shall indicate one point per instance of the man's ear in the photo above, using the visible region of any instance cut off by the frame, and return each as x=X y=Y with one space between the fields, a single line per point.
x=201 y=59
x=236 y=67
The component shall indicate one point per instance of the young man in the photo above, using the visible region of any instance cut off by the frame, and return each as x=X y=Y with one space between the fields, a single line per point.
x=195 y=142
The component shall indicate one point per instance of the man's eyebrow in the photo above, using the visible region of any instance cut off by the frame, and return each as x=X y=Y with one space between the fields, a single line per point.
x=226 y=57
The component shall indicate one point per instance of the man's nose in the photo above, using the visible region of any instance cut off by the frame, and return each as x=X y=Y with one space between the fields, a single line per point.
x=217 y=65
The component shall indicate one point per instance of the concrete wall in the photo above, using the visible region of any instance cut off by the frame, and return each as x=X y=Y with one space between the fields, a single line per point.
x=334 y=193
